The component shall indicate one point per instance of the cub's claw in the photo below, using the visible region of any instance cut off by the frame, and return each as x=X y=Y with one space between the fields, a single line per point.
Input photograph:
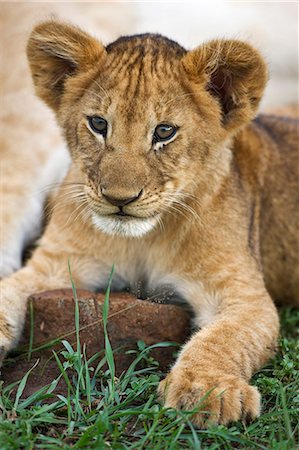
x=217 y=398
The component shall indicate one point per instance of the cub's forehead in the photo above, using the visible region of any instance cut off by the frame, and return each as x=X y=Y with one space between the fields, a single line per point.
x=140 y=66
x=147 y=57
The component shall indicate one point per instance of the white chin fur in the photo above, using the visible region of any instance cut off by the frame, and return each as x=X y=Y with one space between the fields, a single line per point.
x=128 y=228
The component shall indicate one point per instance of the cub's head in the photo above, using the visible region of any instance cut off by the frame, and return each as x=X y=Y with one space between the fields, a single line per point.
x=145 y=120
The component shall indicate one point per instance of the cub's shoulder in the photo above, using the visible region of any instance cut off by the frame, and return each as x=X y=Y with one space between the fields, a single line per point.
x=282 y=130
x=268 y=144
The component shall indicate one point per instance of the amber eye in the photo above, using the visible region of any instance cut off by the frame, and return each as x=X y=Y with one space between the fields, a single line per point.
x=98 y=125
x=164 y=132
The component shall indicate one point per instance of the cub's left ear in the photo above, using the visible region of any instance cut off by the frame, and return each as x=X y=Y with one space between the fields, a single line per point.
x=234 y=73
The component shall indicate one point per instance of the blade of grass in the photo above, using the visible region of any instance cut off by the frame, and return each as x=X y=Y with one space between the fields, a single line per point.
x=44 y=392
x=64 y=374
x=77 y=315
x=108 y=349
x=128 y=374
x=286 y=416
x=78 y=408
x=87 y=379
x=22 y=385
x=31 y=337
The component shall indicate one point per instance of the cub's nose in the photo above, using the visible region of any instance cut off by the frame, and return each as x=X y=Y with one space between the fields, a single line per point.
x=121 y=201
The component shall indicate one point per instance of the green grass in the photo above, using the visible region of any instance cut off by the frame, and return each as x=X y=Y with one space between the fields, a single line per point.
x=101 y=411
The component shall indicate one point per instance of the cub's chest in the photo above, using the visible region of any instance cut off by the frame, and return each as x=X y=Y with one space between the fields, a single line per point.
x=147 y=280
x=148 y=268
x=173 y=289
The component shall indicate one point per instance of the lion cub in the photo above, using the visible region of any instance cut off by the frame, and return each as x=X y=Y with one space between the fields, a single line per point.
x=173 y=182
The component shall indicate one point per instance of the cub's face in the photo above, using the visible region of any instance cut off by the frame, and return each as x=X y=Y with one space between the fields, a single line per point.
x=138 y=137
x=143 y=129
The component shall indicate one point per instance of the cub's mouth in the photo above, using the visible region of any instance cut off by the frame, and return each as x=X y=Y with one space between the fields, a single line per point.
x=121 y=213
x=124 y=224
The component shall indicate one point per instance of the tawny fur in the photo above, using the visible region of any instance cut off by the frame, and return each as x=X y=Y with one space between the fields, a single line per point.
x=220 y=199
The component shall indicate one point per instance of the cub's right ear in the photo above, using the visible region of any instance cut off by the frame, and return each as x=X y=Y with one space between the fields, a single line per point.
x=57 y=51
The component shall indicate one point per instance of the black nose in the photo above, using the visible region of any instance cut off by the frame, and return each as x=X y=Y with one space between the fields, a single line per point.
x=121 y=201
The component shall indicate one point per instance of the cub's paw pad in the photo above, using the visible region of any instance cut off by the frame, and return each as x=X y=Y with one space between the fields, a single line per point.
x=216 y=399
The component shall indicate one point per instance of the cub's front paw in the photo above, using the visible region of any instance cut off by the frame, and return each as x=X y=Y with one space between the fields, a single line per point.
x=218 y=398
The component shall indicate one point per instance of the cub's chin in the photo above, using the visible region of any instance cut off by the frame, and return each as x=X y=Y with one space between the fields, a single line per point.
x=126 y=226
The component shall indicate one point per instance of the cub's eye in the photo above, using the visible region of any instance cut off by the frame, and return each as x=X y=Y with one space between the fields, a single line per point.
x=98 y=125
x=164 y=132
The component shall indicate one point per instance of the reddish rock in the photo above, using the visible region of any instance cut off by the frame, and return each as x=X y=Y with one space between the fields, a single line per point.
x=129 y=320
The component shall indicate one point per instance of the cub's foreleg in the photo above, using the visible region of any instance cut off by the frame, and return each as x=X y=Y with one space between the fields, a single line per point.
x=47 y=269
x=214 y=367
